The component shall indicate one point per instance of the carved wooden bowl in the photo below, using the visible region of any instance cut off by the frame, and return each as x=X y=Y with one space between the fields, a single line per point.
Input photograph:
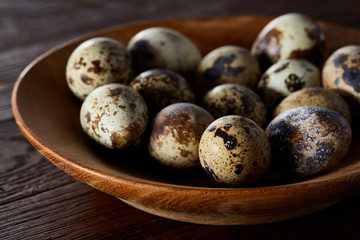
x=48 y=115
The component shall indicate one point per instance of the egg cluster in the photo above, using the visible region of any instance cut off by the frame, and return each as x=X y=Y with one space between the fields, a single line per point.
x=233 y=112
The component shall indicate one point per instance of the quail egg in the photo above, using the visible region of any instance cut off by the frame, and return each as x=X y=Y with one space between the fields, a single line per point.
x=306 y=141
x=115 y=116
x=316 y=96
x=160 y=47
x=235 y=99
x=162 y=87
x=292 y=35
x=226 y=64
x=285 y=77
x=96 y=62
x=341 y=72
x=235 y=151
x=175 y=135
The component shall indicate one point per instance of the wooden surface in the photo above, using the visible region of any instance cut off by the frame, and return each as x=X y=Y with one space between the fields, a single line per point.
x=39 y=201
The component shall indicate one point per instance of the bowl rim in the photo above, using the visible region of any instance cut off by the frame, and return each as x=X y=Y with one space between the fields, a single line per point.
x=70 y=166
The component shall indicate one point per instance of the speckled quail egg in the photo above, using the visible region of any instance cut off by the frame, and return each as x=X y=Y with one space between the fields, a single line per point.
x=306 y=141
x=235 y=99
x=341 y=72
x=175 y=135
x=235 y=151
x=162 y=87
x=285 y=77
x=115 y=116
x=226 y=64
x=96 y=62
x=315 y=96
x=292 y=35
x=160 y=47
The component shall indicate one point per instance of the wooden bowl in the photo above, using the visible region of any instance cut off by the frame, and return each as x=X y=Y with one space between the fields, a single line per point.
x=48 y=115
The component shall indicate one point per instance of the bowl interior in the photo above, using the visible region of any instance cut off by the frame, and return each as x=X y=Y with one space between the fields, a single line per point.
x=48 y=113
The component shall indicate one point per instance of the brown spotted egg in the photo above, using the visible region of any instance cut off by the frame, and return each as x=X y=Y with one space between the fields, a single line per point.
x=226 y=64
x=162 y=87
x=96 y=62
x=235 y=151
x=341 y=72
x=115 y=116
x=285 y=77
x=160 y=47
x=175 y=135
x=291 y=35
x=306 y=141
x=315 y=96
x=235 y=99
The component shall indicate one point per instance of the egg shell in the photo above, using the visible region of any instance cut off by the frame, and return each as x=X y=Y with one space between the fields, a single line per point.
x=306 y=141
x=235 y=99
x=160 y=47
x=162 y=87
x=285 y=77
x=235 y=151
x=316 y=96
x=341 y=72
x=175 y=135
x=227 y=64
x=292 y=35
x=96 y=62
x=115 y=116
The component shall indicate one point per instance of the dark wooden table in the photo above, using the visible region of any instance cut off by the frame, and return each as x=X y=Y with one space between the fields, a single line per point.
x=39 y=201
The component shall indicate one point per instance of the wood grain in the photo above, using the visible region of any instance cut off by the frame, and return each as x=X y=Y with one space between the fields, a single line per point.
x=39 y=201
